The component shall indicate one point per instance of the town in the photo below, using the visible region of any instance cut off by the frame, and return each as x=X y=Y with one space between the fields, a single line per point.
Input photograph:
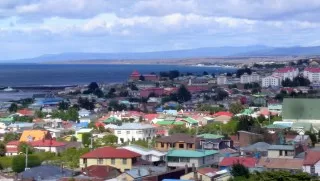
x=260 y=121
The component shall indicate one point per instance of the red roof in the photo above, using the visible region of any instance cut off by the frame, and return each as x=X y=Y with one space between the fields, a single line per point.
x=47 y=143
x=15 y=143
x=245 y=161
x=312 y=69
x=12 y=150
x=135 y=73
x=25 y=112
x=311 y=157
x=223 y=113
x=150 y=117
x=99 y=171
x=110 y=152
x=285 y=70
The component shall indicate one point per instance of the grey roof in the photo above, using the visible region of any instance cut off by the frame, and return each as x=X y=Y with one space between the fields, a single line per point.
x=259 y=146
x=299 y=138
x=46 y=172
x=137 y=173
x=281 y=147
x=134 y=126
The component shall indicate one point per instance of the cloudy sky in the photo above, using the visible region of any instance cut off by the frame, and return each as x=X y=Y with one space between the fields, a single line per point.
x=31 y=28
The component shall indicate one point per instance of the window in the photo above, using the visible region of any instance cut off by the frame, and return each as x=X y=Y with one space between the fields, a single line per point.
x=118 y=132
x=189 y=145
x=162 y=145
x=100 y=161
x=113 y=161
x=181 y=145
x=312 y=169
x=128 y=132
x=84 y=161
x=280 y=153
x=124 y=161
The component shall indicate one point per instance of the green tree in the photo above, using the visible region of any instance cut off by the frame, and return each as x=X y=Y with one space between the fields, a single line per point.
x=93 y=86
x=205 y=73
x=13 y=108
x=63 y=105
x=72 y=114
x=23 y=146
x=71 y=156
x=110 y=139
x=246 y=123
x=261 y=119
x=2 y=149
x=183 y=94
x=239 y=170
x=281 y=176
x=73 y=139
x=18 y=162
x=86 y=139
x=178 y=129
x=10 y=136
x=142 y=78
x=312 y=136
x=236 y=108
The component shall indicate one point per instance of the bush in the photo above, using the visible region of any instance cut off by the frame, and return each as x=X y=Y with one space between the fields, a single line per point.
x=18 y=162
x=6 y=162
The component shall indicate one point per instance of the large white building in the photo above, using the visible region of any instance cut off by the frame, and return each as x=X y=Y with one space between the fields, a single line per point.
x=246 y=78
x=222 y=80
x=313 y=74
x=271 y=81
x=128 y=132
x=287 y=72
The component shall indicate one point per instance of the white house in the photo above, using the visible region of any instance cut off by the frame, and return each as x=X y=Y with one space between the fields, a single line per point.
x=222 y=80
x=311 y=162
x=83 y=113
x=246 y=78
x=147 y=154
x=271 y=81
x=313 y=74
x=286 y=72
x=128 y=132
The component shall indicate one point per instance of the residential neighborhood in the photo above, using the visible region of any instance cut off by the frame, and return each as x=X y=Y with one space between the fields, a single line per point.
x=169 y=125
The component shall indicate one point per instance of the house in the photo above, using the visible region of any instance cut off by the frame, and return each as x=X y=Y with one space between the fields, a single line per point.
x=135 y=75
x=83 y=113
x=177 y=141
x=260 y=148
x=128 y=132
x=54 y=146
x=149 y=155
x=273 y=164
x=214 y=142
x=17 y=127
x=311 y=162
x=101 y=171
x=246 y=138
x=228 y=162
x=12 y=148
x=207 y=174
x=45 y=172
x=25 y=112
x=286 y=73
x=190 y=158
x=34 y=135
x=134 y=174
x=312 y=73
x=282 y=151
x=80 y=132
x=156 y=91
x=222 y=80
x=121 y=159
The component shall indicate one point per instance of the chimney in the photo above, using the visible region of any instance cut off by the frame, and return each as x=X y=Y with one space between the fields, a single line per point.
x=139 y=172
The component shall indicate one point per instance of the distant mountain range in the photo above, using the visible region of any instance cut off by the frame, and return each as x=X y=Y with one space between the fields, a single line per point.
x=227 y=51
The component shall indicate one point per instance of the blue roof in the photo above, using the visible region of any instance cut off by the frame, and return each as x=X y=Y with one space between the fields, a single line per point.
x=82 y=125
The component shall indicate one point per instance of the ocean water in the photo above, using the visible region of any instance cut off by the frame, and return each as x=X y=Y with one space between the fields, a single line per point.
x=43 y=74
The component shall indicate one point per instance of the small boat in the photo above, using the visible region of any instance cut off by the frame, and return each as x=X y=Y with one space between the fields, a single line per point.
x=9 y=89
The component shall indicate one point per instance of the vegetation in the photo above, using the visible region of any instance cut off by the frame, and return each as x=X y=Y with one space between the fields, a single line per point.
x=242 y=71
x=26 y=119
x=70 y=114
x=93 y=88
x=71 y=156
x=18 y=162
x=297 y=81
x=13 y=108
x=115 y=106
x=23 y=146
x=63 y=105
x=86 y=104
x=236 y=108
x=238 y=170
x=10 y=136
x=2 y=149
x=183 y=95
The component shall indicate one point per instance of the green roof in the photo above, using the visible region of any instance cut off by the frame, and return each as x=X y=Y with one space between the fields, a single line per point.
x=191 y=120
x=164 y=123
x=210 y=136
x=247 y=112
x=276 y=126
x=191 y=153
x=305 y=109
x=275 y=107
x=7 y=119
x=302 y=125
x=111 y=120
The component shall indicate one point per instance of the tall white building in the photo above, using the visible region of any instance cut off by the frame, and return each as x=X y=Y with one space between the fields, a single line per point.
x=271 y=81
x=245 y=78
x=222 y=80
x=313 y=74
x=287 y=72
x=128 y=132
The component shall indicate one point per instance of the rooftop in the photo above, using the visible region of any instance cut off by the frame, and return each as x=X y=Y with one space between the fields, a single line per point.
x=281 y=147
x=246 y=161
x=191 y=153
x=110 y=152
x=179 y=137
x=134 y=126
x=210 y=136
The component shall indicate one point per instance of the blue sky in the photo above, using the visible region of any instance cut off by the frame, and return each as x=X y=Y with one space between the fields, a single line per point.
x=30 y=28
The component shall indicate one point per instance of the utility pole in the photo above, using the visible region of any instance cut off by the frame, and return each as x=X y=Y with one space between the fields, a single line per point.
x=26 y=167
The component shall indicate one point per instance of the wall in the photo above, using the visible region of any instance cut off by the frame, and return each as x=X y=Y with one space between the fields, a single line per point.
x=276 y=154
x=166 y=146
x=136 y=134
x=118 y=163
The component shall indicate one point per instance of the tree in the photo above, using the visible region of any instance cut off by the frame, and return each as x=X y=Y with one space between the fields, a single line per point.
x=18 y=162
x=173 y=74
x=261 y=119
x=2 y=149
x=73 y=139
x=13 y=108
x=236 y=108
x=312 y=136
x=71 y=156
x=281 y=176
x=178 y=129
x=86 y=139
x=245 y=123
x=10 y=136
x=242 y=71
x=183 y=94
x=220 y=94
x=110 y=139
x=239 y=170
x=23 y=146
x=93 y=86
x=63 y=105
x=86 y=104
x=142 y=78
x=205 y=73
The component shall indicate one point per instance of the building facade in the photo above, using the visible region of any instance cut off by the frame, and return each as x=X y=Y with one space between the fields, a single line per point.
x=312 y=74
x=222 y=80
x=246 y=78
x=287 y=72
x=271 y=81
x=128 y=132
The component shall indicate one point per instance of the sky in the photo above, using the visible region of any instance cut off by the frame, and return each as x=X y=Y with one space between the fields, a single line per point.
x=30 y=28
